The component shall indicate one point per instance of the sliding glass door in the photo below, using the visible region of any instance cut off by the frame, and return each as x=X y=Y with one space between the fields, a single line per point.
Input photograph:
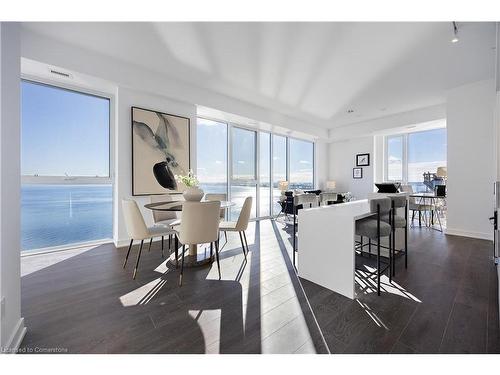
x=243 y=181
x=301 y=164
x=212 y=156
x=279 y=169
x=410 y=156
x=264 y=174
x=242 y=162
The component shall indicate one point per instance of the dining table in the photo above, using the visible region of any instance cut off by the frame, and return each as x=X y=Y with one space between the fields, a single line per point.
x=430 y=199
x=195 y=257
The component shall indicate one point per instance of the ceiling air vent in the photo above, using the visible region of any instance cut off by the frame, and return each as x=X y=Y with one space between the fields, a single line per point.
x=59 y=73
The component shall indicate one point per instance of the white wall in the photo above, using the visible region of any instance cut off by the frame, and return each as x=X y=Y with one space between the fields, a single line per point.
x=342 y=159
x=471 y=159
x=12 y=325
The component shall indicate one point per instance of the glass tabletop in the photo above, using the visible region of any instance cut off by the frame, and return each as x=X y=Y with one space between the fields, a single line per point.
x=177 y=205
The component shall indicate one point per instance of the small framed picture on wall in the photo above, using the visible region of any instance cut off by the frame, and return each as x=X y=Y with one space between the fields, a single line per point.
x=362 y=160
x=357 y=173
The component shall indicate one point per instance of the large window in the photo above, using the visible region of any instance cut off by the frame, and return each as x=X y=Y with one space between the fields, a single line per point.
x=279 y=169
x=244 y=170
x=264 y=174
x=301 y=164
x=395 y=158
x=66 y=191
x=411 y=155
x=244 y=162
x=212 y=156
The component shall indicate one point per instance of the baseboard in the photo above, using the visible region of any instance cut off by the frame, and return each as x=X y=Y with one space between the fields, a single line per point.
x=479 y=235
x=17 y=337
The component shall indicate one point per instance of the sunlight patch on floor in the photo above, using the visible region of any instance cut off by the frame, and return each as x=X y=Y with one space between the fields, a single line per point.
x=37 y=262
x=368 y=284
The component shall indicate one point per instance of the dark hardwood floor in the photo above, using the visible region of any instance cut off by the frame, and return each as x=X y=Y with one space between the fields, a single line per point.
x=445 y=302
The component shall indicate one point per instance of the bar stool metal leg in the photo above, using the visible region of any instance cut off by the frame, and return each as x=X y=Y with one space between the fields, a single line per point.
x=162 y=240
x=378 y=250
x=406 y=235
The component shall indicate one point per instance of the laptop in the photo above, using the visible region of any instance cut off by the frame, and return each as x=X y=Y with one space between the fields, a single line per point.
x=388 y=187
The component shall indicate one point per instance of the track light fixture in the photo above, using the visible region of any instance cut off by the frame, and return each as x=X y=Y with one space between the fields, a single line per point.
x=455 y=33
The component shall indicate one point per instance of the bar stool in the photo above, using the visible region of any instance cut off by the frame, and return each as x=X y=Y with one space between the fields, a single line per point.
x=397 y=221
x=307 y=200
x=375 y=229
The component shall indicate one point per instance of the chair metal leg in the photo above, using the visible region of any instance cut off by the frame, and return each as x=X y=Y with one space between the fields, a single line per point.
x=246 y=242
x=176 y=244
x=138 y=257
x=394 y=252
x=217 y=257
x=406 y=237
x=162 y=239
x=128 y=252
x=391 y=260
x=150 y=242
x=294 y=237
x=242 y=245
x=169 y=241
x=211 y=250
x=182 y=265
x=370 y=246
x=378 y=255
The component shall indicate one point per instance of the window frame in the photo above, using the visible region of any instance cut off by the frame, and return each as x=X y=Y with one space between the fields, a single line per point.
x=230 y=126
x=405 y=143
x=77 y=180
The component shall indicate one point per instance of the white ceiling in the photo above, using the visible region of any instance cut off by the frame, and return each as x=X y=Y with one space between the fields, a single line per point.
x=312 y=71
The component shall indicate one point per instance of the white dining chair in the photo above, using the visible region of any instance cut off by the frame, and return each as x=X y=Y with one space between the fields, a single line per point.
x=240 y=225
x=326 y=198
x=169 y=219
x=199 y=225
x=137 y=230
x=217 y=197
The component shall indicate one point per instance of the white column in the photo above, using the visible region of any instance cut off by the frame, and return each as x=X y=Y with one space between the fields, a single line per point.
x=12 y=325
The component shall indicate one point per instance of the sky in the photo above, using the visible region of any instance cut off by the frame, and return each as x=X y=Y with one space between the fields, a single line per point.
x=63 y=132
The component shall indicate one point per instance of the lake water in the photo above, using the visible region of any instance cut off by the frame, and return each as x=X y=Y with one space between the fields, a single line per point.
x=54 y=215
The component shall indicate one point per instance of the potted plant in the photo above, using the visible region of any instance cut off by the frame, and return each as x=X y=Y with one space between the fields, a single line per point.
x=192 y=193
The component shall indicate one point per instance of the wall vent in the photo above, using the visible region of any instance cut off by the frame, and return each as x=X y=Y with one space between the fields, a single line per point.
x=59 y=73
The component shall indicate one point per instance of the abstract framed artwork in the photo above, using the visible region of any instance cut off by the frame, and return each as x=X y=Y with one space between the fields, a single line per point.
x=362 y=160
x=160 y=150
x=357 y=173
